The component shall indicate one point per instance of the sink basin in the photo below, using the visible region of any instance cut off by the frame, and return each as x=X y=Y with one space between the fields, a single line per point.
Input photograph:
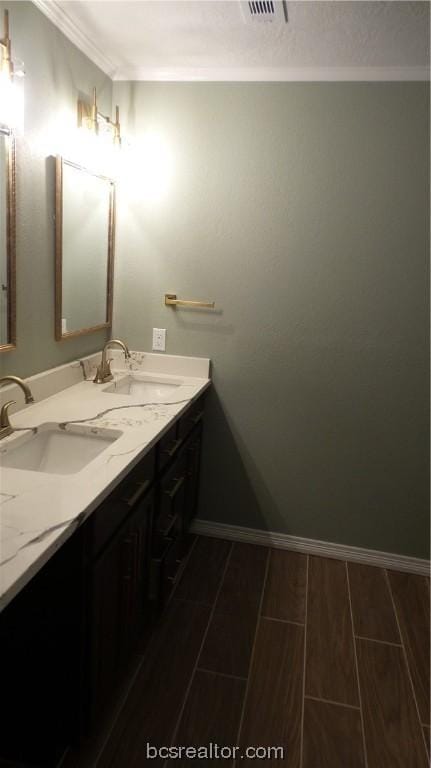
x=55 y=450
x=149 y=389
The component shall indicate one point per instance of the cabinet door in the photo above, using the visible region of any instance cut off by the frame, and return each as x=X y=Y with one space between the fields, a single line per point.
x=134 y=577
x=172 y=497
x=118 y=594
x=193 y=416
x=40 y=640
x=192 y=475
x=142 y=526
x=127 y=595
x=106 y=608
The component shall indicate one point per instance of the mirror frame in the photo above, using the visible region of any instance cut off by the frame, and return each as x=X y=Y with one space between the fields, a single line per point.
x=59 y=336
x=10 y=239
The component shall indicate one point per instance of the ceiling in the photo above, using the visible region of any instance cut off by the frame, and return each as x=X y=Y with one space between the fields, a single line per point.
x=217 y=40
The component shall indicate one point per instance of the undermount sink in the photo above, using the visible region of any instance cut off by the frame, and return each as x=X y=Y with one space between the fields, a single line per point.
x=148 y=388
x=54 y=450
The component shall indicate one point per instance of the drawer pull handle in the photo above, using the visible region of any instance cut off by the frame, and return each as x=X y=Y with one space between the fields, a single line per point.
x=178 y=483
x=169 y=525
x=173 y=579
x=173 y=449
x=140 y=491
x=196 y=419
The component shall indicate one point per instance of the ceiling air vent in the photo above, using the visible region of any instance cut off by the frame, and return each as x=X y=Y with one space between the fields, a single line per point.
x=265 y=10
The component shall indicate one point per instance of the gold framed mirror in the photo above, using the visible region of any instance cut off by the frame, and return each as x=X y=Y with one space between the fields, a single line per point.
x=7 y=240
x=84 y=253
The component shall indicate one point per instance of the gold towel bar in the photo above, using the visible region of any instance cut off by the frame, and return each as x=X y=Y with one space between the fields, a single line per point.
x=172 y=301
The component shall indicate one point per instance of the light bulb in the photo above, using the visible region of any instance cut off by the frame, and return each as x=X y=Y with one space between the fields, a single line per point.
x=11 y=103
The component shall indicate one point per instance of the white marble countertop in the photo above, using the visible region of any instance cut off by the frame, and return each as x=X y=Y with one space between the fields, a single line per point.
x=38 y=510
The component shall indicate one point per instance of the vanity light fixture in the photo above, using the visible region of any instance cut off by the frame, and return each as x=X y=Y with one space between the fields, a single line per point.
x=6 y=65
x=10 y=106
x=89 y=117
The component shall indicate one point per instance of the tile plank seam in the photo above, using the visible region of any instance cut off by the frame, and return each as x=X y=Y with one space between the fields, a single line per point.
x=406 y=661
x=283 y=621
x=427 y=738
x=205 y=603
x=186 y=562
x=330 y=701
x=304 y=666
x=250 y=666
x=187 y=692
x=364 y=741
x=408 y=648
x=220 y=674
x=119 y=709
x=374 y=640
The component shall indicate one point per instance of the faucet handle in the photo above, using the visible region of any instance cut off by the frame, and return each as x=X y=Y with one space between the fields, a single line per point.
x=108 y=371
x=4 y=415
x=103 y=373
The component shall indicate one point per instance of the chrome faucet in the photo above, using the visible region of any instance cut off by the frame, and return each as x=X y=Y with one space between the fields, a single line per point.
x=6 y=427
x=103 y=373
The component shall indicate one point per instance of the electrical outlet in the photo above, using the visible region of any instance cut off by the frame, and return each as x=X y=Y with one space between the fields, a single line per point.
x=159 y=339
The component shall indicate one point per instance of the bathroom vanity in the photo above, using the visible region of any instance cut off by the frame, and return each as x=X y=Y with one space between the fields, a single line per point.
x=83 y=591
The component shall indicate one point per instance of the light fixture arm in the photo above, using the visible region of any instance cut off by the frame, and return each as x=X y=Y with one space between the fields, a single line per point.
x=117 y=126
x=94 y=113
x=6 y=64
x=92 y=117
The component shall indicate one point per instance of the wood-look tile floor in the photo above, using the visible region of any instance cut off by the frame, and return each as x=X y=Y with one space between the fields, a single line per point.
x=260 y=647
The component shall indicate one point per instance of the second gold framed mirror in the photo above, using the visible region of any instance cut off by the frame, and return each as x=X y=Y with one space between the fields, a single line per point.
x=85 y=231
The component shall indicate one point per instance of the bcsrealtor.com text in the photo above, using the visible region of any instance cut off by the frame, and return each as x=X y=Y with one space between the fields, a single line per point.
x=213 y=751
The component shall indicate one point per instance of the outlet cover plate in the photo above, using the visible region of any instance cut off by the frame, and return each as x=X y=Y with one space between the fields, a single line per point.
x=159 y=339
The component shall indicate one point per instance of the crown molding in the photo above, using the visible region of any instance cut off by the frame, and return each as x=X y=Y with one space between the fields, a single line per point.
x=55 y=13
x=273 y=74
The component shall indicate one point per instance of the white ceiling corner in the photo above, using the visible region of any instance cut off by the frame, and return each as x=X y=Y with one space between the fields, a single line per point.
x=274 y=74
x=211 y=40
x=76 y=34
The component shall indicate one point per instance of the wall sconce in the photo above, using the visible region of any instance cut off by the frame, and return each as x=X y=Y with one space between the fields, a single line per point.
x=10 y=102
x=90 y=118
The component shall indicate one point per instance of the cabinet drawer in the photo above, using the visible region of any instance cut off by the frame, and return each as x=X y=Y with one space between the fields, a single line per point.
x=164 y=568
x=143 y=472
x=190 y=418
x=112 y=513
x=193 y=454
x=168 y=447
x=171 y=496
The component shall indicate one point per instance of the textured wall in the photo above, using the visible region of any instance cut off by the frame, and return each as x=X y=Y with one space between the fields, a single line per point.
x=302 y=209
x=56 y=72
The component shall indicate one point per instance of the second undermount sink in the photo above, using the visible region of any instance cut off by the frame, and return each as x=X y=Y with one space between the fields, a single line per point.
x=55 y=450
x=147 y=388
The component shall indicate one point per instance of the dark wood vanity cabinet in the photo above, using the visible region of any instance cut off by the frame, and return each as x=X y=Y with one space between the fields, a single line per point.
x=178 y=480
x=135 y=547
x=68 y=637
x=117 y=584
x=193 y=451
x=41 y=634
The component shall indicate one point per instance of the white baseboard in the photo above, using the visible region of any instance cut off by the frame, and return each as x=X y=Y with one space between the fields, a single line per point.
x=312 y=547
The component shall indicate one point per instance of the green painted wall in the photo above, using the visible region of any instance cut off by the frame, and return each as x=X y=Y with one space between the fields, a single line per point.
x=56 y=72
x=303 y=210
